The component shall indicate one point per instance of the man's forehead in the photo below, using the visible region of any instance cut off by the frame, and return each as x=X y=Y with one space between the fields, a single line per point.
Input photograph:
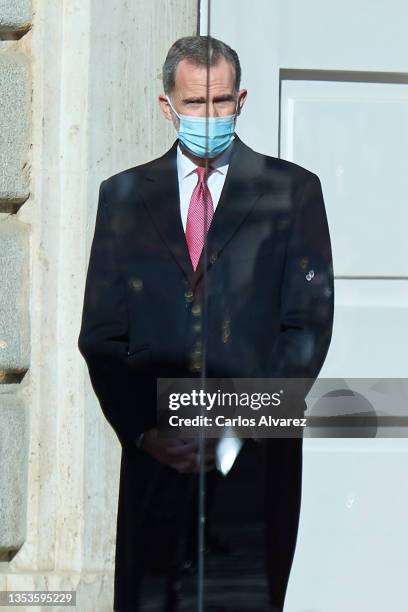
x=192 y=75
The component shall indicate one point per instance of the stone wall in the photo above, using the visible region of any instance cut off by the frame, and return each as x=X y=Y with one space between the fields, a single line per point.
x=15 y=110
x=79 y=81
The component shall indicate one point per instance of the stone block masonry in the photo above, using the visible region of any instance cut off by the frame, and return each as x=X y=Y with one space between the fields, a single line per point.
x=14 y=128
x=15 y=124
x=15 y=16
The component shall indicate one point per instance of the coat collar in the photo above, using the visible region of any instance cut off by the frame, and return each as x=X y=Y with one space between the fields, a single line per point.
x=240 y=191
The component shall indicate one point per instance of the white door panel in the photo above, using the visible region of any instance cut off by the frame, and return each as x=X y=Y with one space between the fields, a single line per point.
x=351 y=554
x=345 y=35
x=370 y=331
x=354 y=135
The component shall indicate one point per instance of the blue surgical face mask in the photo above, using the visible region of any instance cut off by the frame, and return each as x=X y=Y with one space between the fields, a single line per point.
x=193 y=133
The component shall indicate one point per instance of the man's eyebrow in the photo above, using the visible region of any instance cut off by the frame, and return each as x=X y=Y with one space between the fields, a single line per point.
x=202 y=100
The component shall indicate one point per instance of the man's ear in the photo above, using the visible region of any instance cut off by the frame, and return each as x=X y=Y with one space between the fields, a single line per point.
x=165 y=107
x=242 y=95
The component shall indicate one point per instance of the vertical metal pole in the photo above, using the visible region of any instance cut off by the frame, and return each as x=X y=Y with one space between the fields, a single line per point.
x=201 y=445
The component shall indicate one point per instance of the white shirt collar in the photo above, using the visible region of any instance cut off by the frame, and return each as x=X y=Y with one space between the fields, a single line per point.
x=186 y=166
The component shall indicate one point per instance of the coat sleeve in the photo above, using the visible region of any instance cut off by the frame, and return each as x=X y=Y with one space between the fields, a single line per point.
x=104 y=338
x=307 y=291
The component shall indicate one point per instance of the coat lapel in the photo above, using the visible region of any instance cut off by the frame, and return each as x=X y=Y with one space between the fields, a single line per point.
x=239 y=194
x=162 y=199
x=240 y=191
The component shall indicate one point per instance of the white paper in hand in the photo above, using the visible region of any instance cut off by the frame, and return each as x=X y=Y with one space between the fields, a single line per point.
x=227 y=451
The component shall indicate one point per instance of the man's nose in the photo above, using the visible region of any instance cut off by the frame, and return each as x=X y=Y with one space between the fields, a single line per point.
x=210 y=110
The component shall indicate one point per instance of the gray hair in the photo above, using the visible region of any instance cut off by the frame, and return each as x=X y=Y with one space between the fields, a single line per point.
x=201 y=51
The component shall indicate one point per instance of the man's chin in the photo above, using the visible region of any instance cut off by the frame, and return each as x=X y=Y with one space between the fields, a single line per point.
x=197 y=158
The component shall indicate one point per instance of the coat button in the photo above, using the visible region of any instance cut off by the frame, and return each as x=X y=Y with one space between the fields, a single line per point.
x=196 y=310
x=189 y=295
x=195 y=361
x=226 y=330
x=213 y=257
x=137 y=284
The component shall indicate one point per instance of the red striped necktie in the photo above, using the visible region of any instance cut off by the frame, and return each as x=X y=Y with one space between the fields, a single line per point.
x=200 y=214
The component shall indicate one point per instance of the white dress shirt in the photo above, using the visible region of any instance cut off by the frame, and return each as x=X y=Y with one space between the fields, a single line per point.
x=188 y=179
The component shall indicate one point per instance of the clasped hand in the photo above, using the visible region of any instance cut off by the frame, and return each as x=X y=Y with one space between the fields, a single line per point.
x=180 y=453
